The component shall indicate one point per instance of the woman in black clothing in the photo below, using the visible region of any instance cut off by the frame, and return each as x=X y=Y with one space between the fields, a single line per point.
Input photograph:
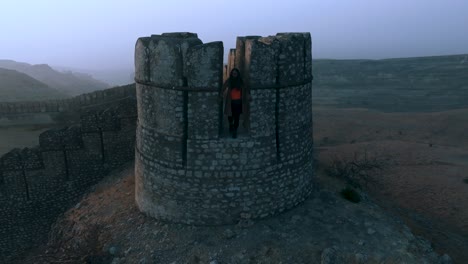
x=236 y=100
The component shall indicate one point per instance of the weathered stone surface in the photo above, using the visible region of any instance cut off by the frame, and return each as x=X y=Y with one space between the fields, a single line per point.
x=292 y=58
x=159 y=58
x=161 y=109
x=183 y=35
x=186 y=44
x=203 y=115
x=12 y=160
x=240 y=52
x=142 y=59
x=32 y=158
x=203 y=66
x=261 y=57
x=165 y=62
x=59 y=139
x=107 y=120
x=187 y=171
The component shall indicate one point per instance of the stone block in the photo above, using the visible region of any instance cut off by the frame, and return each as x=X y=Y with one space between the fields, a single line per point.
x=291 y=64
x=261 y=56
x=204 y=65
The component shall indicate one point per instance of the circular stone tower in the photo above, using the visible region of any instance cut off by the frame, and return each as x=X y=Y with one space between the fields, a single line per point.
x=187 y=169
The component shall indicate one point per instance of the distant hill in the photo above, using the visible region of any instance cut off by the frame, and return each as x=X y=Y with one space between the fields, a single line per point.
x=17 y=86
x=407 y=84
x=66 y=82
x=114 y=77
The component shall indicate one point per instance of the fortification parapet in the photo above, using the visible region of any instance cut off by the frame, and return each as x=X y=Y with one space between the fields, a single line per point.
x=59 y=139
x=37 y=184
x=187 y=170
x=103 y=97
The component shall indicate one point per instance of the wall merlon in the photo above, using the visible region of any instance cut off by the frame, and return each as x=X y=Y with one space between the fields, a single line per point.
x=159 y=59
x=203 y=66
x=293 y=58
x=142 y=54
x=261 y=62
x=61 y=139
x=106 y=120
x=32 y=158
x=11 y=161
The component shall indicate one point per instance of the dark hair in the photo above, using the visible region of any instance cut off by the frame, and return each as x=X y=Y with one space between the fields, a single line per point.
x=235 y=81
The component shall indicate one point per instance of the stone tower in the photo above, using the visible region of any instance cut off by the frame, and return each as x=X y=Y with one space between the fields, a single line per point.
x=187 y=169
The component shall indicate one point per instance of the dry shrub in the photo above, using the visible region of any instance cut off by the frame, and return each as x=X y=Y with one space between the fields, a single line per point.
x=358 y=171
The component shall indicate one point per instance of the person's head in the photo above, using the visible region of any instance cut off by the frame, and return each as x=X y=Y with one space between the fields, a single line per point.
x=235 y=73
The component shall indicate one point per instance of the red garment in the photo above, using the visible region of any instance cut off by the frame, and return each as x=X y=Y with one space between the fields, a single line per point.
x=236 y=94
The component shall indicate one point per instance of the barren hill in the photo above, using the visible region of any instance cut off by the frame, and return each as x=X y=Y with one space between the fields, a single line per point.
x=17 y=86
x=66 y=82
x=426 y=182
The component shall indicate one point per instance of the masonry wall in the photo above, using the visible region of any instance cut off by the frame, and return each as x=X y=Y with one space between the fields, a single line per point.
x=37 y=184
x=187 y=169
x=69 y=104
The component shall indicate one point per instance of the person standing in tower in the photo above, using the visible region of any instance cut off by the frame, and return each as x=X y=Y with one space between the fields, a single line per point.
x=236 y=97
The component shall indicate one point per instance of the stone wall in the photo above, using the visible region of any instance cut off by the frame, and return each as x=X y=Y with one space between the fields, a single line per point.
x=37 y=184
x=69 y=104
x=187 y=169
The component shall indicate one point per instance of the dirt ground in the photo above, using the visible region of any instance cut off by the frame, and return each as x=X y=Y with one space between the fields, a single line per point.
x=428 y=162
x=423 y=182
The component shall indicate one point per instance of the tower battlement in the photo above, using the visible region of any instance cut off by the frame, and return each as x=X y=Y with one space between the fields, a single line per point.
x=187 y=169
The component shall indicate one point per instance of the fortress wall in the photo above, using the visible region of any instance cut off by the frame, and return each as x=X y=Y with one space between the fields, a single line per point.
x=37 y=184
x=8 y=109
x=207 y=178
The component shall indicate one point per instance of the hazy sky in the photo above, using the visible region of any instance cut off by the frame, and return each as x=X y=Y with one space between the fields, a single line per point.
x=102 y=33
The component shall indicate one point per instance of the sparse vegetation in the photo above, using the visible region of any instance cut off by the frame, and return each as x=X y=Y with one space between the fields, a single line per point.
x=350 y=195
x=357 y=171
